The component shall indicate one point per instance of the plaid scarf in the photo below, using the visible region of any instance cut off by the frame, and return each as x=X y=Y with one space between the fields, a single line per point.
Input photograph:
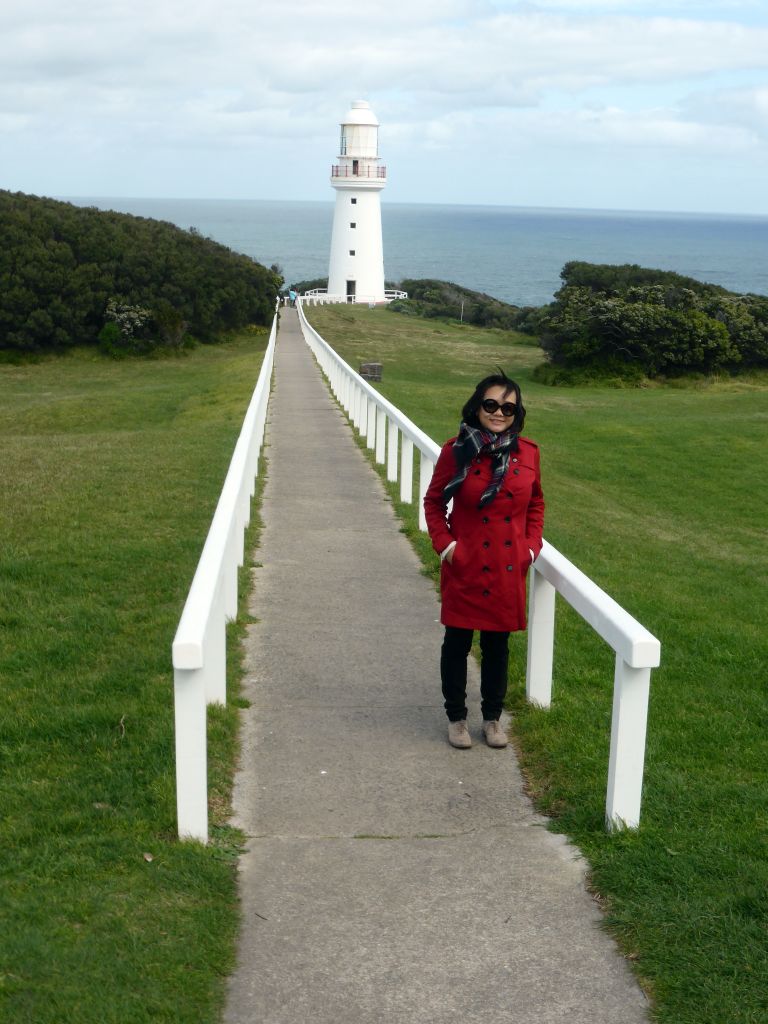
x=472 y=442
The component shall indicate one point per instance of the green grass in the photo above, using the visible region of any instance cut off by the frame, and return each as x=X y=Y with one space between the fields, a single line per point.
x=109 y=475
x=660 y=495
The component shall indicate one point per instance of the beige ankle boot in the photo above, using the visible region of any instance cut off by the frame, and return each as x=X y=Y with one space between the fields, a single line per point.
x=458 y=736
x=494 y=734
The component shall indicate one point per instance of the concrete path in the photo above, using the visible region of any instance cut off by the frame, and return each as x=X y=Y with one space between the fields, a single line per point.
x=388 y=877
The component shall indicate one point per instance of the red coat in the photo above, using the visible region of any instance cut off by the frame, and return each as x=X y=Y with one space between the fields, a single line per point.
x=484 y=586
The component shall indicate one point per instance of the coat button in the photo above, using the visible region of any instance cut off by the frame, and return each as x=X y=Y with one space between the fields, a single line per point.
x=486 y=593
x=486 y=568
x=514 y=460
x=507 y=519
x=516 y=472
x=486 y=543
x=477 y=472
x=510 y=568
x=507 y=543
x=487 y=520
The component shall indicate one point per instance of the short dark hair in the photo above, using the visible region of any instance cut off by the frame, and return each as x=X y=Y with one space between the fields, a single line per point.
x=500 y=379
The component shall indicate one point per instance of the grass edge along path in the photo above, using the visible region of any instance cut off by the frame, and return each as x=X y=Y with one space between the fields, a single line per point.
x=658 y=494
x=110 y=476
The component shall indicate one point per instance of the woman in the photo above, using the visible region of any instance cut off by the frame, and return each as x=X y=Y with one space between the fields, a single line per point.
x=486 y=544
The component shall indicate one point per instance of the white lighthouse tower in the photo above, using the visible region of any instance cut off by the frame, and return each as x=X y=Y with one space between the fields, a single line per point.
x=356 y=268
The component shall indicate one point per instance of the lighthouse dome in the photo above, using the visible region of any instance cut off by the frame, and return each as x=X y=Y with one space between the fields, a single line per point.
x=361 y=113
x=360 y=134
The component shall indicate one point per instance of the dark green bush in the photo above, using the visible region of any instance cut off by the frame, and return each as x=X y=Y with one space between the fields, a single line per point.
x=308 y=286
x=60 y=265
x=405 y=306
x=657 y=322
x=443 y=299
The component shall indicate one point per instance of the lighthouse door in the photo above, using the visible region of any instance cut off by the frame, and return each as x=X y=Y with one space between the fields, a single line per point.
x=351 y=291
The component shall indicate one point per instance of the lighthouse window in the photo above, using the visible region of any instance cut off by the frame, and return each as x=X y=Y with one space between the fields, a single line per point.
x=352 y=224
x=351 y=252
x=353 y=201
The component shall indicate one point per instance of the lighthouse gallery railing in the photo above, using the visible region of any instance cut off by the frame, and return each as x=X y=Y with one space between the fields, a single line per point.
x=368 y=171
x=387 y=430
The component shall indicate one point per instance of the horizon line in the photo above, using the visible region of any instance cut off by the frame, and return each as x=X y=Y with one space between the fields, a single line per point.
x=462 y=205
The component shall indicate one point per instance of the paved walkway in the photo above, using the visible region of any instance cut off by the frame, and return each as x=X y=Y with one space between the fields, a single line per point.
x=388 y=877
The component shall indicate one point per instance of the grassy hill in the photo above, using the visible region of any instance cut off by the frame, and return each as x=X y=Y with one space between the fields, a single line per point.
x=109 y=476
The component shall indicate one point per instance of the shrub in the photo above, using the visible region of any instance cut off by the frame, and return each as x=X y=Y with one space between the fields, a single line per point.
x=60 y=265
x=442 y=299
x=656 y=321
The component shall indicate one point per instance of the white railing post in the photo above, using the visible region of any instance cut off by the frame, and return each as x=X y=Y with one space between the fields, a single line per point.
x=381 y=435
x=541 y=640
x=371 y=431
x=190 y=719
x=426 y=469
x=353 y=404
x=406 y=470
x=349 y=396
x=229 y=574
x=214 y=668
x=631 y=688
x=392 y=451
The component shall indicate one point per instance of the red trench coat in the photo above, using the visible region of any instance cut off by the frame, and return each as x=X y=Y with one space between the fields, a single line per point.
x=484 y=585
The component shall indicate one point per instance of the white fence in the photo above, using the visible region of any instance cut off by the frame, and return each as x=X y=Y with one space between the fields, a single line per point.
x=199 y=648
x=387 y=432
x=321 y=297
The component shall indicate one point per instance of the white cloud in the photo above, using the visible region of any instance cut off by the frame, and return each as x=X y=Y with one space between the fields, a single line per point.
x=321 y=47
x=696 y=8
x=237 y=78
x=602 y=127
x=745 y=108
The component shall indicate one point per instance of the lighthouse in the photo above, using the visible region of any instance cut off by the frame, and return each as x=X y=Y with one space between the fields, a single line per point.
x=356 y=269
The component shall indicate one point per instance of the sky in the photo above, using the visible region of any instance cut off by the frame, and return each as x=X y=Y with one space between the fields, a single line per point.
x=615 y=104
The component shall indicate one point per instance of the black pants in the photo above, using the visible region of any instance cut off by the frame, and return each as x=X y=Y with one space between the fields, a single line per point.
x=493 y=671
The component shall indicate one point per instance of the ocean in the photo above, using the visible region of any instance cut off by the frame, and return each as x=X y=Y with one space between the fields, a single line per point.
x=512 y=253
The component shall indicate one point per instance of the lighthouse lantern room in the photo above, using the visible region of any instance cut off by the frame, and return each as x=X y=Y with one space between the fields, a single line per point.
x=356 y=269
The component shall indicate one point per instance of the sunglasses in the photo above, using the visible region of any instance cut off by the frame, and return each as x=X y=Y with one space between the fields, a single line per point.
x=491 y=405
